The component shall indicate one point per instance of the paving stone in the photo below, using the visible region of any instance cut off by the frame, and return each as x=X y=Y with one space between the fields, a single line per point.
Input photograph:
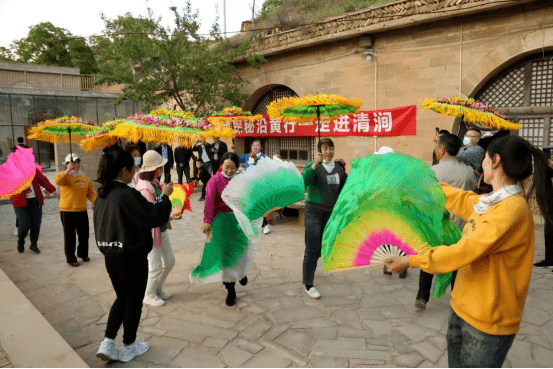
x=371 y=314
x=329 y=362
x=256 y=309
x=277 y=330
x=402 y=347
x=246 y=322
x=299 y=342
x=432 y=318
x=315 y=323
x=543 y=356
x=383 y=340
x=366 y=363
x=347 y=317
x=295 y=315
x=256 y=330
x=415 y=333
x=350 y=332
x=214 y=342
x=350 y=354
x=192 y=329
x=248 y=346
x=283 y=352
x=408 y=360
x=149 y=322
x=341 y=300
x=395 y=312
x=535 y=316
x=428 y=350
x=234 y=356
x=378 y=328
x=344 y=343
x=539 y=340
x=193 y=357
x=521 y=349
x=439 y=341
x=327 y=333
x=162 y=350
x=519 y=363
x=195 y=318
x=267 y=359
x=77 y=339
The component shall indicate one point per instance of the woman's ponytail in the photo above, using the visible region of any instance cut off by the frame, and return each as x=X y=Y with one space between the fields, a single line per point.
x=113 y=160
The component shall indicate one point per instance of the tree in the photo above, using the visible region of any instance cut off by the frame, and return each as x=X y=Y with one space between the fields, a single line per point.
x=47 y=44
x=160 y=63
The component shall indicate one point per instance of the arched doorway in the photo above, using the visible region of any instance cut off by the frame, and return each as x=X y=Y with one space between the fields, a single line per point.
x=524 y=92
x=298 y=149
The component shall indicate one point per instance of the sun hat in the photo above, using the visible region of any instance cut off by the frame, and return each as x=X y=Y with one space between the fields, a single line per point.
x=68 y=158
x=384 y=150
x=151 y=161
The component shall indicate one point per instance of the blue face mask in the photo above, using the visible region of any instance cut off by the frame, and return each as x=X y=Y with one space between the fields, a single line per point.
x=137 y=161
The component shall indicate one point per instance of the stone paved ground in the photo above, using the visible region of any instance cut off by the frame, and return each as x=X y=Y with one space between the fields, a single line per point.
x=364 y=319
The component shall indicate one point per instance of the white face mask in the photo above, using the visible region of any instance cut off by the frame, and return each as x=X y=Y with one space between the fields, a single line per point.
x=466 y=141
x=137 y=161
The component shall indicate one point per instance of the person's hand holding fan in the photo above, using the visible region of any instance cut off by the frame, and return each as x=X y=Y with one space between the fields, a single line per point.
x=180 y=199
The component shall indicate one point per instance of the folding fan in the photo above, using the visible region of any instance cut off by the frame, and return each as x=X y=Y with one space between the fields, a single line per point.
x=181 y=196
x=390 y=205
x=269 y=184
x=17 y=172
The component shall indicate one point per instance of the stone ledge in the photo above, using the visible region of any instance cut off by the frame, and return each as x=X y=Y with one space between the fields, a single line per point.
x=26 y=336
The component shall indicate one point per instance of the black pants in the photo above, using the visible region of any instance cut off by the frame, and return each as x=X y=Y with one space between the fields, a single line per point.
x=129 y=278
x=548 y=233
x=204 y=186
x=29 y=218
x=184 y=169
x=315 y=223
x=75 y=222
x=167 y=171
x=425 y=284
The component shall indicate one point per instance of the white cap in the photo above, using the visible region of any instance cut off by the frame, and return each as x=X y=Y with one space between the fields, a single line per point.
x=68 y=158
x=384 y=150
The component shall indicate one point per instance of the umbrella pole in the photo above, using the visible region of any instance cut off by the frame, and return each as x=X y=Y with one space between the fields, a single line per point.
x=319 y=123
x=70 y=149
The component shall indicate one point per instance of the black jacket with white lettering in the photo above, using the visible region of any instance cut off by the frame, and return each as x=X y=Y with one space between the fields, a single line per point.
x=123 y=221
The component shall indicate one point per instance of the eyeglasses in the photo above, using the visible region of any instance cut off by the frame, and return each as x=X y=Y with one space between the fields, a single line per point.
x=471 y=136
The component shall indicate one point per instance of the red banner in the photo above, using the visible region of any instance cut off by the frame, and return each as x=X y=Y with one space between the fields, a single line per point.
x=387 y=122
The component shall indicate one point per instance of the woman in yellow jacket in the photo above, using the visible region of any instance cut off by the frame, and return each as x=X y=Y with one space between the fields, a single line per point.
x=75 y=188
x=493 y=258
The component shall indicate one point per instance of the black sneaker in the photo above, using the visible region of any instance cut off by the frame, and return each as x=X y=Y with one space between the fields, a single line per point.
x=201 y=199
x=403 y=275
x=231 y=297
x=21 y=248
x=244 y=281
x=35 y=249
x=544 y=264
x=385 y=271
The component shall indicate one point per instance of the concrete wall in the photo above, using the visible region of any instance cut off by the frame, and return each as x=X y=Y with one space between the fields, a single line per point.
x=443 y=59
x=39 y=68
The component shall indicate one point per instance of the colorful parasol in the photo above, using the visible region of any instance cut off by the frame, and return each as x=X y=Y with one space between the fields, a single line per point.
x=181 y=196
x=230 y=115
x=268 y=184
x=168 y=128
x=470 y=111
x=62 y=129
x=390 y=205
x=101 y=137
x=17 y=172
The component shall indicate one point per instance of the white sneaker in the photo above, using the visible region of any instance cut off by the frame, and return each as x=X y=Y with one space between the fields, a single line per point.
x=164 y=295
x=107 y=352
x=266 y=229
x=15 y=232
x=154 y=301
x=313 y=293
x=127 y=353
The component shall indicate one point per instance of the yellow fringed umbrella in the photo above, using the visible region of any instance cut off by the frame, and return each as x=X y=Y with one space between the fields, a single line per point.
x=101 y=137
x=303 y=110
x=230 y=115
x=61 y=129
x=470 y=111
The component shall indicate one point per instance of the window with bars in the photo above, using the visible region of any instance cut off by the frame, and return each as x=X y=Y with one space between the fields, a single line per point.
x=527 y=86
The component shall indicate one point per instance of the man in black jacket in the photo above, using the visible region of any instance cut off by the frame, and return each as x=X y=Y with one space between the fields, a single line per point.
x=161 y=149
x=182 y=159
x=218 y=149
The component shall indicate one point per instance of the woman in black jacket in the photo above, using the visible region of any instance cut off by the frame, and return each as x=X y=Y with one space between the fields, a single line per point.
x=123 y=220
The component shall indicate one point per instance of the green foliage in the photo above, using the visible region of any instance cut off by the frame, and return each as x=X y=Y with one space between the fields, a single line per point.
x=47 y=44
x=174 y=63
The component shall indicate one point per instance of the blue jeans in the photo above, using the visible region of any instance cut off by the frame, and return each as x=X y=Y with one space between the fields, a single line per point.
x=467 y=347
x=29 y=218
x=184 y=169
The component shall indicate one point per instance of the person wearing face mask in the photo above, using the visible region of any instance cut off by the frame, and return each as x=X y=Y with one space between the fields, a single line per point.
x=225 y=257
x=471 y=152
x=75 y=189
x=123 y=222
x=324 y=181
x=457 y=174
x=134 y=150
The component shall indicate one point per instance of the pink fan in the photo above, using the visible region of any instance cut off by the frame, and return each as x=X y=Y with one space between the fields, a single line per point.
x=17 y=173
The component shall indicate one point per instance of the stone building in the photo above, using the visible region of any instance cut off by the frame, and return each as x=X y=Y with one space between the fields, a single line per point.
x=499 y=52
x=32 y=93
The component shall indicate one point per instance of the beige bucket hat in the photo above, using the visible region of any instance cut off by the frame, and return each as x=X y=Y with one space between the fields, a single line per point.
x=151 y=161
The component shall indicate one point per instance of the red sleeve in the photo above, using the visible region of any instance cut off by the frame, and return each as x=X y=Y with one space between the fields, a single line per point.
x=44 y=182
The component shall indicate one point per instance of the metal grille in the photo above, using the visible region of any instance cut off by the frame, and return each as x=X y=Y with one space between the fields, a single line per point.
x=541 y=87
x=533 y=130
x=274 y=94
x=297 y=148
x=271 y=146
x=507 y=91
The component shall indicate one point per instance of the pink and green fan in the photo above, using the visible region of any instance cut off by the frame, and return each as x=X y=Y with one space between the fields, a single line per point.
x=391 y=205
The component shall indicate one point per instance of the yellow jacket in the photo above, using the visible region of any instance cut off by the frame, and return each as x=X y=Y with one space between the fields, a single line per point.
x=74 y=191
x=493 y=258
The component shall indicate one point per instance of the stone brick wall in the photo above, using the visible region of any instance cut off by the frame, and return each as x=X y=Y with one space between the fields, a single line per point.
x=451 y=57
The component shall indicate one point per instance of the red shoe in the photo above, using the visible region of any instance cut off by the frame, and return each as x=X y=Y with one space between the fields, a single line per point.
x=75 y=264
